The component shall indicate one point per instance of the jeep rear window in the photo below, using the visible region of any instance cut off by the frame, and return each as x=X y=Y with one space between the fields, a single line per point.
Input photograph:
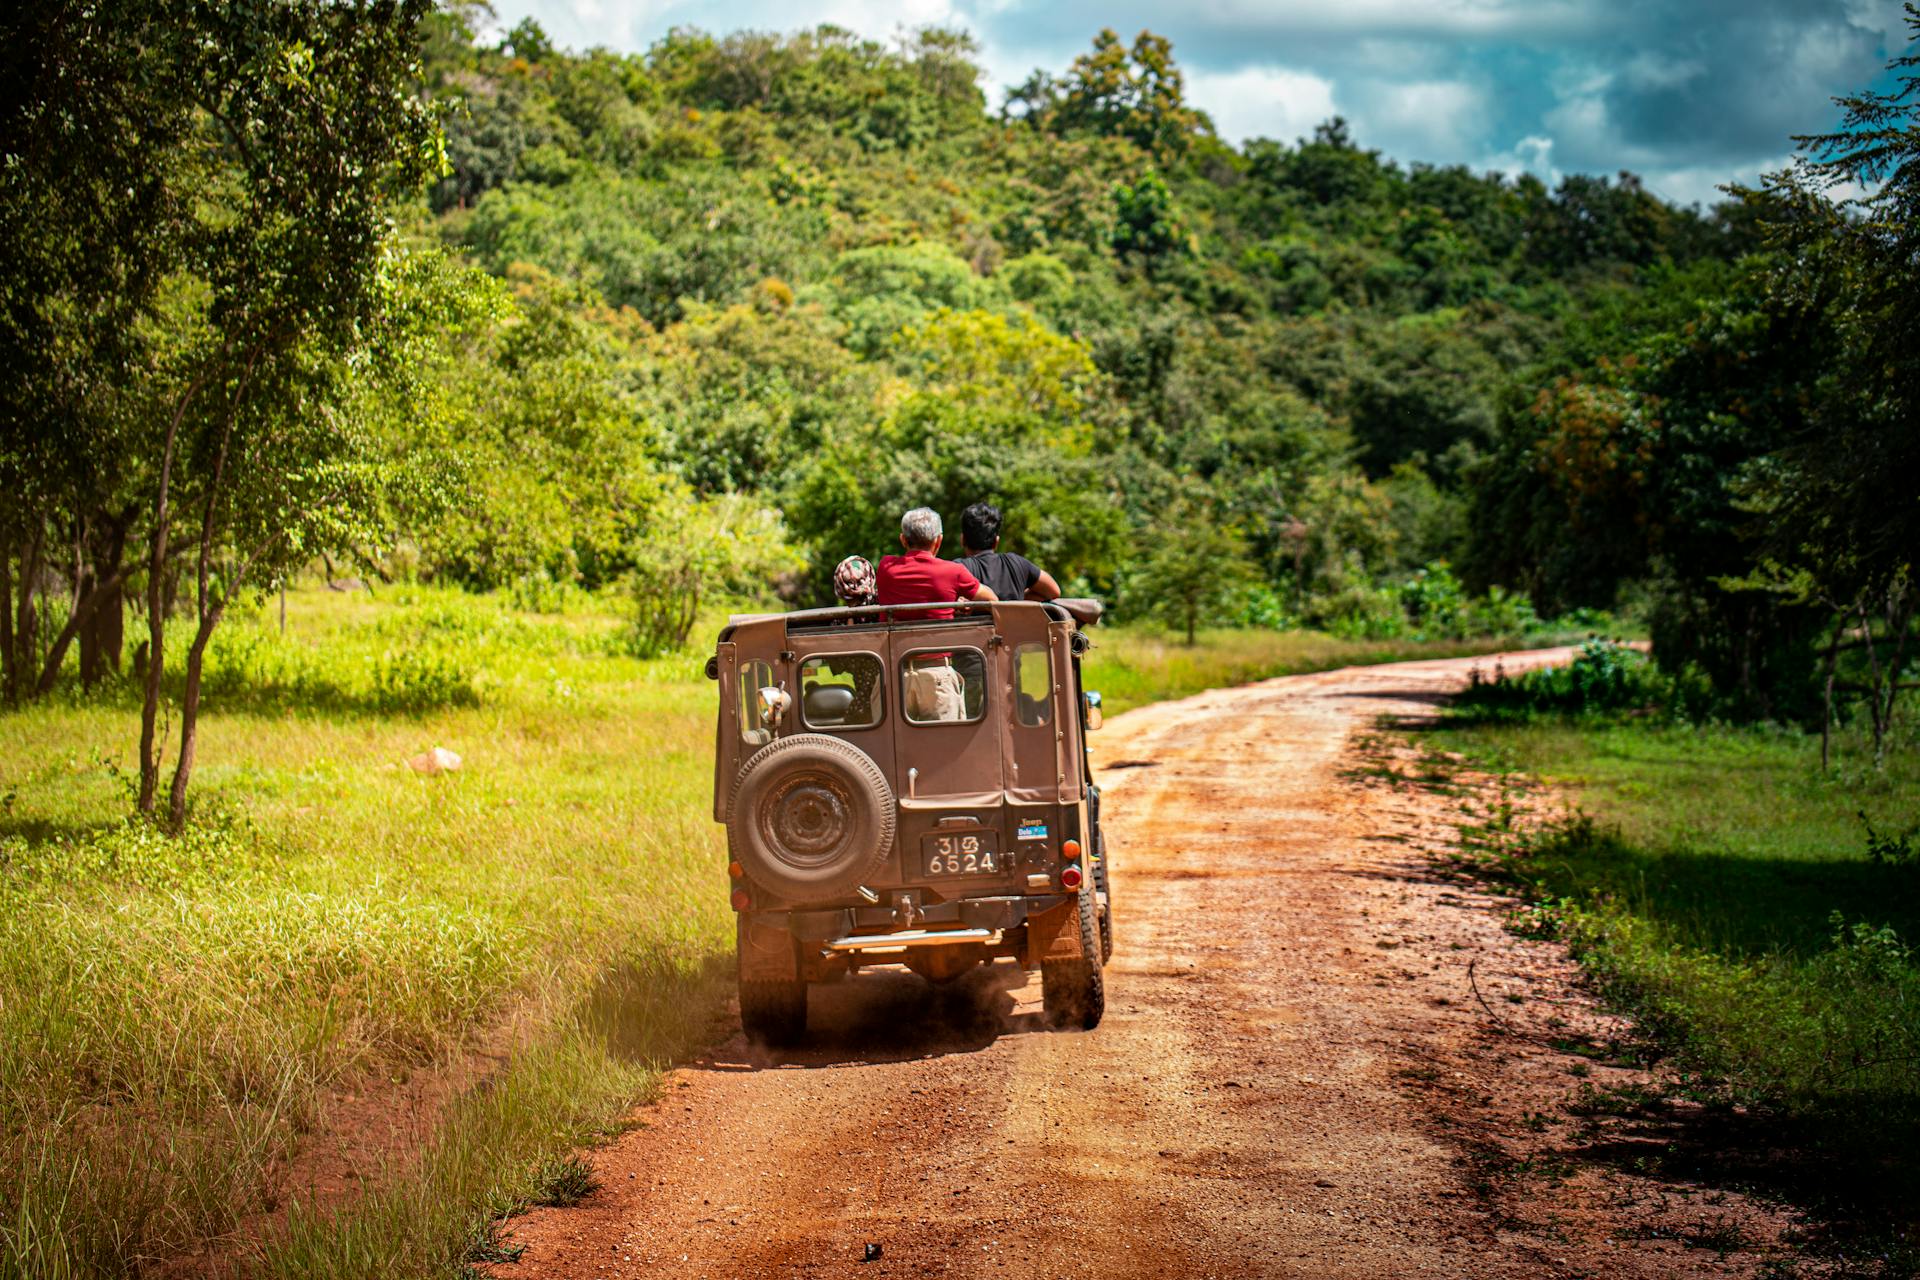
x=943 y=686
x=756 y=730
x=1033 y=684
x=841 y=691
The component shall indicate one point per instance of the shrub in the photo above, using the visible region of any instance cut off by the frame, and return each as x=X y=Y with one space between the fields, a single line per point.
x=419 y=680
x=1362 y=612
x=1605 y=677
x=1434 y=599
x=699 y=548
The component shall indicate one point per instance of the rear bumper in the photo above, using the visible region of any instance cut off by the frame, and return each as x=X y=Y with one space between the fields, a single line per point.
x=991 y=914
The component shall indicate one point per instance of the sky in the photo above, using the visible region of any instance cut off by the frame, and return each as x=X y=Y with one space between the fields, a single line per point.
x=1689 y=94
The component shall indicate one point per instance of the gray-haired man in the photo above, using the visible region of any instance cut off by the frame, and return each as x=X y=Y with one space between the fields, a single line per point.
x=920 y=576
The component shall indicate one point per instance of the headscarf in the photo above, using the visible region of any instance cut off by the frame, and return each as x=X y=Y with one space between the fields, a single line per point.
x=853 y=581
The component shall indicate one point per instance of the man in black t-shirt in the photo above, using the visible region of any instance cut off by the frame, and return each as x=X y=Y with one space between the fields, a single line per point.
x=1012 y=577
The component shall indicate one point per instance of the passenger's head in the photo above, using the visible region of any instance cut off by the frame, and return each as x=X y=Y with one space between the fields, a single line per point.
x=853 y=581
x=920 y=529
x=980 y=526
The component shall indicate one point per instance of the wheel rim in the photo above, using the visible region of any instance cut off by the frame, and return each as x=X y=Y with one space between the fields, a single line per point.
x=808 y=819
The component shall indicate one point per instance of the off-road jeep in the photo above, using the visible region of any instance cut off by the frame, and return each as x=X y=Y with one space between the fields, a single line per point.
x=906 y=789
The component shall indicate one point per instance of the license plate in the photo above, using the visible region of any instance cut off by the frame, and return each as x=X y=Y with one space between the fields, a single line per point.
x=963 y=853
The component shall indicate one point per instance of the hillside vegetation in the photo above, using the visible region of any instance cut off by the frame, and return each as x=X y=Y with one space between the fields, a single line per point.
x=565 y=353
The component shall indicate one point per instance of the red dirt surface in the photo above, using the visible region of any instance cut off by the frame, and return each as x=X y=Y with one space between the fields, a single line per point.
x=1320 y=1058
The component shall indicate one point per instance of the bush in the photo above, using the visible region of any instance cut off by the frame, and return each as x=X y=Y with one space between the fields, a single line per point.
x=1606 y=677
x=1362 y=612
x=1434 y=599
x=1500 y=613
x=419 y=680
x=697 y=549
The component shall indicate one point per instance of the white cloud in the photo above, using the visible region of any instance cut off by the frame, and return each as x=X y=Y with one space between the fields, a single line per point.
x=1649 y=69
x=1262 y=102
x=1699 y=184
x=1477 y=19
x=1532 y=154
x=1433 y=120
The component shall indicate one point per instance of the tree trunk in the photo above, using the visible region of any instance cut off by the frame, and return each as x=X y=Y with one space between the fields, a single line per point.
x=9 y=686
x=1826 y=721
x=1873 y=689
x=103 y=631
x=157 y=611
x=26 y=621
x=78 y=624
x=189 y=722
x=1899 y=614
x=208 y=608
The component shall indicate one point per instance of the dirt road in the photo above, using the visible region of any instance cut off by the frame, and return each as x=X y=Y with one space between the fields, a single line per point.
x=1296 y=1075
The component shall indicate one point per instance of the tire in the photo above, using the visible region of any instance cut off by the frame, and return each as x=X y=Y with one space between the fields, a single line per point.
x=773 y=1012
x=1103 y=892
x=1074 y=992
x=811 y=817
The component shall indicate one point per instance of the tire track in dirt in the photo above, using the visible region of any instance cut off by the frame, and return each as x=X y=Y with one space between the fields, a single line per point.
x=1292 y=1078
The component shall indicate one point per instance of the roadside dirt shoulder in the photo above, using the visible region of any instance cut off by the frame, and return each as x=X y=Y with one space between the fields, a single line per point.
x=1320 y=1059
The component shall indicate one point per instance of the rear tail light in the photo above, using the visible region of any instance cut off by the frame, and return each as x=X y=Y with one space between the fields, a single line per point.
x=1070 y=878
x=1070 y=851
x=741 y=900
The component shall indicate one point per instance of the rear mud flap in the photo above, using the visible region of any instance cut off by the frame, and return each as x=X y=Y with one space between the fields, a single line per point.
x=1053 y=934
x=765 y=954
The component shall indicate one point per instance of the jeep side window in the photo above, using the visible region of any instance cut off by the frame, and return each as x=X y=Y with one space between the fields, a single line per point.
x=1033 y=684
x=755 y=729
x=841 y=691
x=947 y=686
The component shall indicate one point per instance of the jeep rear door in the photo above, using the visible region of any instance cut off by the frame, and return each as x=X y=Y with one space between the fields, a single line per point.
x=948 y=761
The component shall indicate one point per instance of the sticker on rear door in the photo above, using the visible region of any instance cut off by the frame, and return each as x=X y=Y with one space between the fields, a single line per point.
x=1033 y=831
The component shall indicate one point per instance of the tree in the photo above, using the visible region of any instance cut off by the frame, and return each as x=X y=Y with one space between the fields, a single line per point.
x=1192 y=565
x=1841 y=498
x=93 y=202
x=1137 y=94
x=304 y=123
x=697 y=549
x=1145 y=222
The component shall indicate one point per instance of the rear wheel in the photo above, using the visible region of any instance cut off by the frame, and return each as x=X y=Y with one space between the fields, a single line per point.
x=1074 y=992
x=1104 y=899
x=773 y=1011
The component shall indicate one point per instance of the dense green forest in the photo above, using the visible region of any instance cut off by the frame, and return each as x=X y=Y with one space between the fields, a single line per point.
x=361 y=284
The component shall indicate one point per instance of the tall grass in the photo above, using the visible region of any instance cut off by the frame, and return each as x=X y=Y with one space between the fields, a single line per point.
x=1723 y=887
x=173 y=1013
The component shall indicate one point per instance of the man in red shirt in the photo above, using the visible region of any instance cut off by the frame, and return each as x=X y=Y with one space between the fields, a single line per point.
x=933 y=690
x=921 y=576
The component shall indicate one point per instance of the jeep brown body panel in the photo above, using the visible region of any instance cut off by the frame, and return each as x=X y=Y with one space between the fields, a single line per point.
x=989 y=802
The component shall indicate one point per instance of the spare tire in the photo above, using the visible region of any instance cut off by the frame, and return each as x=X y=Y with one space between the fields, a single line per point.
x=811 y=817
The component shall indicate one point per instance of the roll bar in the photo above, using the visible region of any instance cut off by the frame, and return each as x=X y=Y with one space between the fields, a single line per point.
x=1081 y=612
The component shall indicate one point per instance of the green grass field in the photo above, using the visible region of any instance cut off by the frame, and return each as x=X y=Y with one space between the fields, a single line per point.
x=1720 y=887
x=174 y=1015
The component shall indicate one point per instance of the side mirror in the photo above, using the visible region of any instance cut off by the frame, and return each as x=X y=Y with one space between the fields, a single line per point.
x=1094 y=717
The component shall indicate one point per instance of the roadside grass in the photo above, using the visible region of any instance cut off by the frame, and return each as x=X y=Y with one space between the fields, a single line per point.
x=1721 y=888
x=175 y=1015
x=1131 y=666
x=172 y=1014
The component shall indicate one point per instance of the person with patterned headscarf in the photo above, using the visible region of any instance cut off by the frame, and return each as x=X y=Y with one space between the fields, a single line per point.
x=853 y=582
